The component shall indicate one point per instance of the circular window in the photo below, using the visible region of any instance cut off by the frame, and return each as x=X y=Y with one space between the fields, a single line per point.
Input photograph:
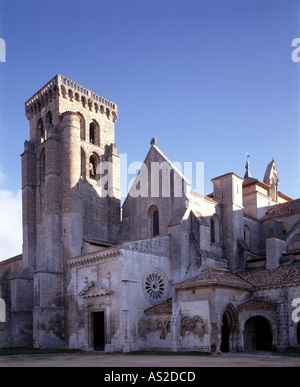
x=156 y=286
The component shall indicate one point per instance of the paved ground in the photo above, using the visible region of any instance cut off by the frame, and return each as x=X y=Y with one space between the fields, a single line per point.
x=119 y=360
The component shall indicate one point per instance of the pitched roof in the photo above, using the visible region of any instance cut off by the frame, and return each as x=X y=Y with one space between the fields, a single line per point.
x=283 y=209
x=257 y=304
x=252 y=180
x=268 y=278
x=214 y=277
x=162 y=308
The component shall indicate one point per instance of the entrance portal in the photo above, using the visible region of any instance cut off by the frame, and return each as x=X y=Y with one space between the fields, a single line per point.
x=99 y=331
x=258 y=335
x=229 y=333
x=225 y=334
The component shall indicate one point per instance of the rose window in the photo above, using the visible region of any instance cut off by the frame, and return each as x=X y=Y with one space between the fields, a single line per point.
x=155 y=286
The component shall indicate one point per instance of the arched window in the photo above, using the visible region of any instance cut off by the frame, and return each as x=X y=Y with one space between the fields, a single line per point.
x=63 y=91
x=94 y=133
x=70 y=94
x=215 y=234
x=40 y=129
x=93 y=166
x=247 y=236
x=153 y=221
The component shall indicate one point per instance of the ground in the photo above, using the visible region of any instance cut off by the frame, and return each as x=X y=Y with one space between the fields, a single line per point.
x=164 y=361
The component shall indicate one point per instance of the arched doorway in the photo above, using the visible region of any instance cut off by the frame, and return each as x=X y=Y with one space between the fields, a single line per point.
x=225 y=334
x=258 y=334
x=229 y=334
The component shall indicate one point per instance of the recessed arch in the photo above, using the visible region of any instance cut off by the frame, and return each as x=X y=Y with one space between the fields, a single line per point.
x=229 y=329
x=258 y=334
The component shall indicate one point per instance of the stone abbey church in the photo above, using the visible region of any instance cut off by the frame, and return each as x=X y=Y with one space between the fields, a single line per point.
x=177 y=272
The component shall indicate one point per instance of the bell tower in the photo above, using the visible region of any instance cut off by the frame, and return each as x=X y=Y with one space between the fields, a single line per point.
x=66 y=209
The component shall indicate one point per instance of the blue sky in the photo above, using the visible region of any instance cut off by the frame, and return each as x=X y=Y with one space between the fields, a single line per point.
x=210 y=79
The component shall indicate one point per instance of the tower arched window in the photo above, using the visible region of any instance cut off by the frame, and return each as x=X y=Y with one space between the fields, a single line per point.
x=93 y=166
x=94 y=133
x=153 y=221
x=40 y=130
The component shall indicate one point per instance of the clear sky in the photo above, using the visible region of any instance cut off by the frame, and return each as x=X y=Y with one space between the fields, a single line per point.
x=210 y=79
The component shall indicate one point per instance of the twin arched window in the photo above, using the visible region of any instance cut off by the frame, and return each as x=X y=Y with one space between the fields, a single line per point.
x=94 y=161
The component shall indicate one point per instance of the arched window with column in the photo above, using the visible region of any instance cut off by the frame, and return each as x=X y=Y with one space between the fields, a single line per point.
x=153 y=221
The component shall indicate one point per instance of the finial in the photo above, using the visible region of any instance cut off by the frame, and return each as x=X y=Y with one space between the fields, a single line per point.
x=153 y=141
x=247 y=166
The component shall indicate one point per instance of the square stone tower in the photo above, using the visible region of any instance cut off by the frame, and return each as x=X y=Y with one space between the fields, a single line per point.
x=65 y=207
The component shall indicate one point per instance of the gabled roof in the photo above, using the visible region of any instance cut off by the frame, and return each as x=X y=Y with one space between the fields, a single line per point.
x=268 y=278
x=154 y=148
x=216 y=278
x=252 y=180
x=164 y=307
